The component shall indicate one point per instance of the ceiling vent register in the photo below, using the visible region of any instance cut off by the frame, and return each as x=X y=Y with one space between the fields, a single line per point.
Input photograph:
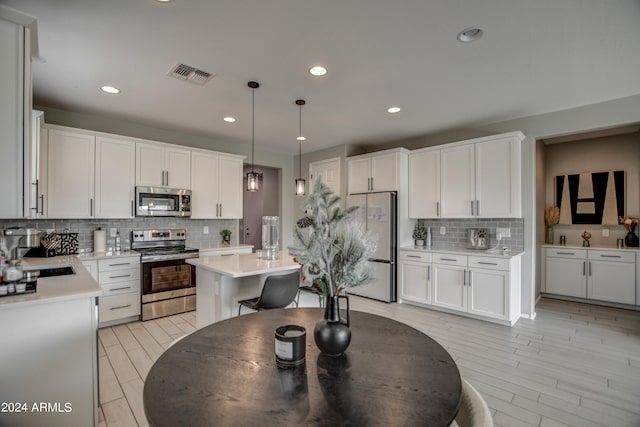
x=190 y=74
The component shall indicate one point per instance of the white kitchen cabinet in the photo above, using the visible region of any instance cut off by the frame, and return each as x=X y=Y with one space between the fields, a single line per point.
x=566 y=272
x=476 y=178
x=457 y=171
x=114 y=177
x=424 y=184
x=35 y=169
x=120 y=281
x=414 y=276
x=488 y=287
x=162 y=165
x=450 y=281
x=216 y=185
x=15 y=109
x=70 y=173
x=375 y=172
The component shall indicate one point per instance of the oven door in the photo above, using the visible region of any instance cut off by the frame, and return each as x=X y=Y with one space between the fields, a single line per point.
x=163 y=276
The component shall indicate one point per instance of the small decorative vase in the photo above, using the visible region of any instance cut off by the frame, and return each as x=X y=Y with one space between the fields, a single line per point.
x=419 y=242
x=226 y=241
x=548 y=235
x=631 y=240
x=332 y=334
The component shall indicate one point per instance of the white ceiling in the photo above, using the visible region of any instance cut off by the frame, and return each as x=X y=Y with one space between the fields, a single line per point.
x=535 y=57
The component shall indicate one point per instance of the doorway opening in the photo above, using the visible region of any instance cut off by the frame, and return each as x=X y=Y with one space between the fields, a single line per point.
x=264 y=202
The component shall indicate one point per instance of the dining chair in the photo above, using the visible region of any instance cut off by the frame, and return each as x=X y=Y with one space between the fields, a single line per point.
x=311 y=290
x=473 y=411
x=277 y=292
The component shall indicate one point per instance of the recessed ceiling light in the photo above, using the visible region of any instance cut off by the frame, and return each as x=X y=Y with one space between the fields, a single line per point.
x=470 y=35
x=393 y=110
x=110 y=89
x=301 y=138
x=318 y=70
x=229 y=119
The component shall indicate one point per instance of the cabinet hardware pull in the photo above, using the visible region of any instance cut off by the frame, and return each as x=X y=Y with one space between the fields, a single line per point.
x=477 y=207
x=437 y=208
x=121 y=263
x=589 y=268
x=120 y=289
x=133 y=208
x=464 y=278
x=566 y=253
x=428 y=272
x=37 y=192
x=371 y=183
x=220 y=209
x=42 y=204
x=610 y=256
x=118 y=277
x=448 y=259
x=119 y=307
x=91 y=207
x=472 y=208
x=469 y=278
x=413 y=256
x=167 y=177
x=227 y=254
x=584 y=268
x=487 y=263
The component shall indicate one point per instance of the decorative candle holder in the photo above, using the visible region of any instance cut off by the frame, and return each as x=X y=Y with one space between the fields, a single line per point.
x=290 y=345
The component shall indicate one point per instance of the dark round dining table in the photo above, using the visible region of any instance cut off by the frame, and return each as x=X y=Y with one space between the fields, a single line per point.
x=225 y=374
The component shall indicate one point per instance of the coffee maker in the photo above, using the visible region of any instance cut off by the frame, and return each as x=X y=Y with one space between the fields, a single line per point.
x=19 y=240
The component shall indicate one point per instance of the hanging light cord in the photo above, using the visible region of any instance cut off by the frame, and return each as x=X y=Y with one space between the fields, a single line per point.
x=253 y=115
x=300 y=142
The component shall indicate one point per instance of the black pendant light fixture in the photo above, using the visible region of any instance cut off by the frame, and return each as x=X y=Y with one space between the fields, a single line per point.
x=300 y=183
x=252 y=177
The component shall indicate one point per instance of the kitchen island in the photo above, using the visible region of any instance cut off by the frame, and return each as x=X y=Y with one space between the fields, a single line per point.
x=48 y=362
x=223 y=280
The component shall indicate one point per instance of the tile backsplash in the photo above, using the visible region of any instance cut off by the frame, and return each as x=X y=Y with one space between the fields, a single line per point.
x=84 y=227
x=456 y=231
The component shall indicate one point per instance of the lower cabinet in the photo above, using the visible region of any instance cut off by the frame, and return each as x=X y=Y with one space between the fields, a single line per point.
x=481 y=286
x=592 y=274
x=120 y=282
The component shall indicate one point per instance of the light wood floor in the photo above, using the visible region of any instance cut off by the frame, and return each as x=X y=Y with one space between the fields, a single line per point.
x=575 y=364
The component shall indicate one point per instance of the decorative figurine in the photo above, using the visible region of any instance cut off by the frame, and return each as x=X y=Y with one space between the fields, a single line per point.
x=586 y=236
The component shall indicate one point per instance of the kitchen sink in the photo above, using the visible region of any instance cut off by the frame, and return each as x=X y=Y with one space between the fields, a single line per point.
x=58 y=271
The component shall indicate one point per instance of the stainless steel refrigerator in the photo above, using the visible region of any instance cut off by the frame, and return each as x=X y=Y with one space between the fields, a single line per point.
x=378 y=214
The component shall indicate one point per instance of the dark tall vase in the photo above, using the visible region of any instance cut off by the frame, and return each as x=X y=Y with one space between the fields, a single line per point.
x=332 y=334
x=631 y=240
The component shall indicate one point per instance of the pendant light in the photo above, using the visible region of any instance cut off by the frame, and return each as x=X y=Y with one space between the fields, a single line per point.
x=252 y=177
x=300 y=183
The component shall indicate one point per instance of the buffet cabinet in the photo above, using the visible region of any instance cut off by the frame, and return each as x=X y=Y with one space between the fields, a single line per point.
x=594 y=275
x=483 y=287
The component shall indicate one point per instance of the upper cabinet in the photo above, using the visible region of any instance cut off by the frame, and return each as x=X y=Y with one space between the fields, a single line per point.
x=375 y=172
x=15 y=108
x=476 y=178
x=162 y=165
x=216 y=185
x=89 y=175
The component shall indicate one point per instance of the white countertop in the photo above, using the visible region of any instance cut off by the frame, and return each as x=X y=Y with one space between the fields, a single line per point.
x=598 y=247
x=242 y=265
x=88 y=256
x=462 y=251
x=53 y=289
x=225 y=248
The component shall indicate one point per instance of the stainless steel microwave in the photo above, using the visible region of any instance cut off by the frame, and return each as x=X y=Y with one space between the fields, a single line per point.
x=161 y=201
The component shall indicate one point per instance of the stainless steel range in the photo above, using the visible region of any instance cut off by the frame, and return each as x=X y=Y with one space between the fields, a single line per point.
x=168 y=282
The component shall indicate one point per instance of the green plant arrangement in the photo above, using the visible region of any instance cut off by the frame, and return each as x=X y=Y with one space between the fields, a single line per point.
x=226 y=236
x=333 y=252
x=419 y=232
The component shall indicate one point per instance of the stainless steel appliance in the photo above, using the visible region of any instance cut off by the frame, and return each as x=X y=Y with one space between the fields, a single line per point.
x=168 y=282
x=378 y=214
x=160 y=201
x=477 y=238
x=19 y=240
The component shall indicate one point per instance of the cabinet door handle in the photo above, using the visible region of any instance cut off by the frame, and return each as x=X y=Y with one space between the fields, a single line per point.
x=610 y=256
x=472 y=208
x=220 y=209
x=120 y=276
x=477 y=207
x=91 y=207
x=371 y=183
x=133 y=208
x=448 y=259
x=470 y=278
x=464 y=278
x=413 y=256
x=120 y=263
x=584 y=268
x=167 y=177
x=37 y=192
x=119 y=307
x=120 y=289
x=566 y=253
x=42 y=204
x=589 y=268
x=428 y=272
x=487 y=263
x=437 y=208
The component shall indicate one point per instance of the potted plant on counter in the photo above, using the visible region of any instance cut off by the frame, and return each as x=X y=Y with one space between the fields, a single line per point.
x=419 y=234
x=226 y=236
